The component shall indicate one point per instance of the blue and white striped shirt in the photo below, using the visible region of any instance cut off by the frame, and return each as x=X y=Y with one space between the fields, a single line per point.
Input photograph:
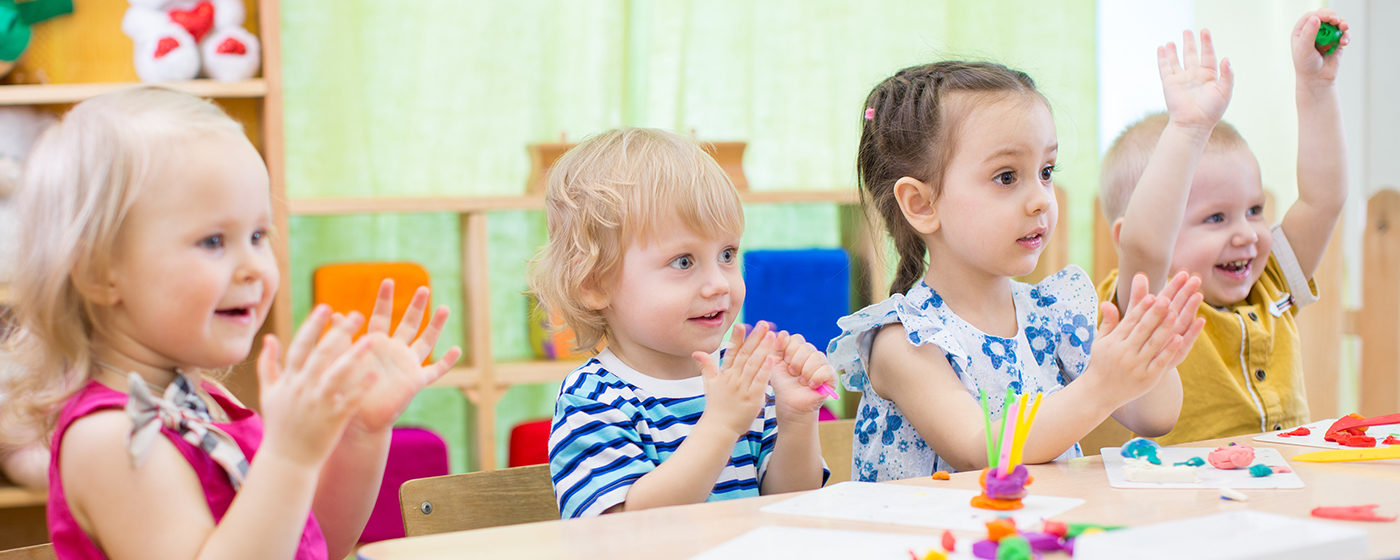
x=614 y=424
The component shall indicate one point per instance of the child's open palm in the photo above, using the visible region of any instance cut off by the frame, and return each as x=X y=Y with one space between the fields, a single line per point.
x=735 y=394
x=1309 y=64
x=1153 y=337
x=307 y=402
x=398 y=357
x=1197 y=92
x=804 y=370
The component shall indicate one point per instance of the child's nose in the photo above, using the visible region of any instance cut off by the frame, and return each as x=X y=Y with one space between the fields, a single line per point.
x=1245 y=235
x=1040 y=201
x=716 y=283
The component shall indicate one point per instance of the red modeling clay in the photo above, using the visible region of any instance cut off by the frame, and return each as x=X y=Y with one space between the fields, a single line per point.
x=1354 y=420
x=1057 y=528
x=1302 y=431
x=1391 y=440
x=1346 y=438
x=948 y=540
x=1351 y=513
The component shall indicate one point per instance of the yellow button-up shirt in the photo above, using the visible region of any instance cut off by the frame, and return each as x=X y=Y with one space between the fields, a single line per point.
x=1244 y=373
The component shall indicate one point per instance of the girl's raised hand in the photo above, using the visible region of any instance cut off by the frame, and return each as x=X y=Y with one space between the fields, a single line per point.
x=1311 y=66
x=735 y=394
x=797 y=387
x=398 y=357
x=307 y=402
x=1197 y=92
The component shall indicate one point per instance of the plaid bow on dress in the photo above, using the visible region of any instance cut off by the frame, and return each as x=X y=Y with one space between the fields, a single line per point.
x=184 y=412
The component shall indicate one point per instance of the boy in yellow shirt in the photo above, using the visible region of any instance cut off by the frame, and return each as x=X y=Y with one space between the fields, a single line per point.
x=1243 y=375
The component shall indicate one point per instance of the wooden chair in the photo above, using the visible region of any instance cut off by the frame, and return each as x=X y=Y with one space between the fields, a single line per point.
x=835 y=436
x=477 y=500
x=36 y=552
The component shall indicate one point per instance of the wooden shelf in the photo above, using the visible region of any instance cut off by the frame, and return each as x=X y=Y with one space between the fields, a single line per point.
x=505 y=374
x=14 y=496
x=468 y=204
x=51 y=94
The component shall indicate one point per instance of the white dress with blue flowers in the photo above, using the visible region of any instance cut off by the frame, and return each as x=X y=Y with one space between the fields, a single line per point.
x=1055 y=329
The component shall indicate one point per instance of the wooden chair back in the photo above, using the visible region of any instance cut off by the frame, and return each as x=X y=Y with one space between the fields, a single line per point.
x=835 y=436
x=477 y=500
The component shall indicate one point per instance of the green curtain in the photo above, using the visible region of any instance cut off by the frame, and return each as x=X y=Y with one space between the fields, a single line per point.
x=440 y=97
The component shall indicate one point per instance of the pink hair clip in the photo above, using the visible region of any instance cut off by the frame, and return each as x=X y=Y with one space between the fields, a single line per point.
x=869 y=113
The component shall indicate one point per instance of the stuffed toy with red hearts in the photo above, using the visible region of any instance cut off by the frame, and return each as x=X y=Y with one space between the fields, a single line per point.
x=183 y=39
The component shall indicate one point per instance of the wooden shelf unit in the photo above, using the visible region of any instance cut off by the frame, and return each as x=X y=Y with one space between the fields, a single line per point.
x=55 y=94
x=482 y=380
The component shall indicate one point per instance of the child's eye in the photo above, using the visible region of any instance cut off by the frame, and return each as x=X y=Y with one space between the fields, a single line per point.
x=212 y=242
x=1256 y=210
x=683 y=262
x=728 y=255
x=1046 y=172
x=1006 y=178
x=1215 y=218
x=259 y=236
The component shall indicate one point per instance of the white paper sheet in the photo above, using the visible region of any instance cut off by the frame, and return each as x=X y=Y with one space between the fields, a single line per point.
x=773 y=542
x=946 y=508
x=1235 y=535
x=1211 y=477
x=1319 y=429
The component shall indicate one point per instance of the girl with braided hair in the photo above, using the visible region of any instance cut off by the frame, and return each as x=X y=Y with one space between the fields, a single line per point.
x=958 y=158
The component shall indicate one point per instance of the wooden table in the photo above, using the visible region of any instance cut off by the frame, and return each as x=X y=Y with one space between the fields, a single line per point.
x=683 y=531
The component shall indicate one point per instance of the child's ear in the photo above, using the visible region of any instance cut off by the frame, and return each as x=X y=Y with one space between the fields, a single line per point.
x=98 y=289
x=1114 y=231
x=593 y=296
x=916 y=200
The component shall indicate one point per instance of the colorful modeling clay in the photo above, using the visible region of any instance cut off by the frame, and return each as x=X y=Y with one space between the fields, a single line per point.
x=1301 y=431
x=1013 y=547
x=1328 y=37
x=1391 y=440
x=941 y=475
x=1139 y=448
x=1260 y=470
x=948 y=540
x=1192 y=462
x=1232 y=494
x=1231 y=457
x=1351 y=513
x=1139 y=470
x=1000 y=528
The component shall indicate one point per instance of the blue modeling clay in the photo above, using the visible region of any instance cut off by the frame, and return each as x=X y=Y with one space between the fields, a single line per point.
x=1139 y=448
x=1192 y=462
x=1260 y=470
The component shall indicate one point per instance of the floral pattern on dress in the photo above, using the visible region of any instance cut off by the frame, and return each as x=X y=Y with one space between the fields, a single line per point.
x=1055 y=331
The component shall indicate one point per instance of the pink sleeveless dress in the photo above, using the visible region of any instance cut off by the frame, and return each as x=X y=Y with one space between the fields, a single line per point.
x=246 y=428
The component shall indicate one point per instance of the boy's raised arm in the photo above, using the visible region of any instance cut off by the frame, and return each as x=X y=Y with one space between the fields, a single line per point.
x=1197 y=93
x=1322 y=188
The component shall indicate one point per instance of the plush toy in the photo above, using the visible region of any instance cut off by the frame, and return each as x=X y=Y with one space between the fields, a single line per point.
x=15 y=20
x=19 y=128
x=181 y=39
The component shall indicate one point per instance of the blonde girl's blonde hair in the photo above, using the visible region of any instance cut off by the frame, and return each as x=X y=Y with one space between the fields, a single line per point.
x=79 y=183
x=612 y=190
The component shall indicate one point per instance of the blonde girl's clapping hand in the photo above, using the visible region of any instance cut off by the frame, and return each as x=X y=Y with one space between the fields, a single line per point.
x=399 y=356
x=307 y=401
